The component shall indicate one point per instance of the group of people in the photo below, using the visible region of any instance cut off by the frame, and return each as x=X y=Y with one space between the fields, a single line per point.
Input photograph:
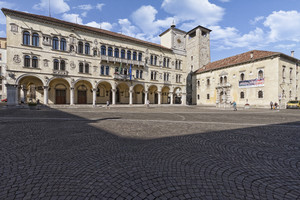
x=274 y=106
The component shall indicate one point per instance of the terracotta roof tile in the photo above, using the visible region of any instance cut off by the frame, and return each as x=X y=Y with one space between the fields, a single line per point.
x=237 y=59
x=73 y=25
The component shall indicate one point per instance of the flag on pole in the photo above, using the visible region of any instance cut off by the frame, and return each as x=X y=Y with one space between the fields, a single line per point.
x=130 y=70
x=120 y=69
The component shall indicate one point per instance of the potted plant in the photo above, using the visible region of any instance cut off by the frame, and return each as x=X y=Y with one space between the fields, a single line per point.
x=247 y=106
x=32 y=105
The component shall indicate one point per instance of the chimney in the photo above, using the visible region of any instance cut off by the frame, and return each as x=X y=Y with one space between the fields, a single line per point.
x=292 y=53
x=251 y=54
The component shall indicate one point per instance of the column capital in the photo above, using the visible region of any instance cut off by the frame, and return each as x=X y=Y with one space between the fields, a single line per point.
x=131 y=91
x=113 y=90
x=71 y=88
x=10 y=85
x=45 y=87
x=94 y=89
x=146 y=92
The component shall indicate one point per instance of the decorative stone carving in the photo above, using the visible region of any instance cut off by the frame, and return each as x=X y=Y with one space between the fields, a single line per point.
x=46 y=63
x=14 y=28
x=95 y=68
x=95 y=42
x=16 y=59
x=12 y=76
x=72 y=65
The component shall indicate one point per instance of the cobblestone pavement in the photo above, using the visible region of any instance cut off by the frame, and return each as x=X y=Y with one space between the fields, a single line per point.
x=156 y=153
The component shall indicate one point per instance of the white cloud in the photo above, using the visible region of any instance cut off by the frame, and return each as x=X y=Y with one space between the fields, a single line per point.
x=144 y=18
x=100 y=6
x=225 y=1
x=256 y=19
x=84 y=14
x=4 y=4
x=56 y=6
x=74 y=18
x=193 y=12
x=284 y=25
x=285 y=46
x=103 y=25
x=85 y=7
x=127 y=28
x=2 y=34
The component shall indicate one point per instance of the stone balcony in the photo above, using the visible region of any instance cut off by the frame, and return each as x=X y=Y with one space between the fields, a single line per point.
x=110 y=59
x=60 y=72
x=123 y=77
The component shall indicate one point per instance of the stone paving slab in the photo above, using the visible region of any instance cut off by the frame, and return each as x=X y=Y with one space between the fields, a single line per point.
x=159 y=153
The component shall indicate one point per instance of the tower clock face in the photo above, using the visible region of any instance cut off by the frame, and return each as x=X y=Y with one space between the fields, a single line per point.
x=179 y=41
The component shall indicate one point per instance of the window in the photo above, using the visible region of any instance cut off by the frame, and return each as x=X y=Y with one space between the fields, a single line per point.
x=35 y=39
x=179 y=64
x=34 y=62
x=176 y=64
x=155 y=60
x=63 y=44
x=87 y=49
x=0 y=84
x=260 y=94
x=207 y=82
x=86 y=67
x=109 y=51
x=81 y=67
x=55 y=43
x=151 y=60
x=0 y=56
x=102 y=70
x=291 y=73
x=55 y=64
x=128 y=55
x=95 y=52
x=140 y=56
x=207 y=96
x=242 y=76
x=141 y=74
x=198 y=83
x=225 y=79
x=80 y=47
x=221 y=80
x=242 y=95
x=166 y=76
x=283 y=72
x=107 y=70
x=26 y=38
x=168 y=62
x=123 y=53
x=71 y=48
x=178 y=77
x=260 y=74
x=290 y=95
x=116 y=69
x=125 y=71
x=62 y=65
x=27 y=61
x=116 y=52
x=165 y=62
x=134 y=55
x=103 y=50
x=198 y=97
x=137 y=74
x=153 y=75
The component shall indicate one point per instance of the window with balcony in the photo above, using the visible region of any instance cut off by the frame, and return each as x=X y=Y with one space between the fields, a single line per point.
x=137 y=73
x=26 y=38
x=87 y=49
x=103 y=50
x=80 y=47
x=155 y=60
x=134 y=55
x=141 y=74
x=107 y=70
x=151 y=60
x=123 y=53
x=128 y=55
x=165 y=62
x=55 y=43
x=116 y=52
x=63 y=44
x=102 y=70
x=35 y=39
x=168 y=63
x=140 y=56
x=110 y=51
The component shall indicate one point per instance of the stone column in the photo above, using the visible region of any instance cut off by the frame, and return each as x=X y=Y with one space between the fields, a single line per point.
x=25 y=94
x=113 y=96
x=159 y=97
x=71 y=96
x=146 y=97
x=46 y=95
x=171 y=99
x=130 y=96
x=94 y=96
x=183 y=99
x=12 y=94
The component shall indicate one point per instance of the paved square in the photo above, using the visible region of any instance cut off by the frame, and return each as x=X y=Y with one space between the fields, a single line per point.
x=157 y=153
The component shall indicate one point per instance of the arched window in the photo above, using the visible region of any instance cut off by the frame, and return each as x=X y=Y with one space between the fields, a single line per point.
x=137 y=73
x=207 y=82
x=242 y=95
x=165 y=62
x=26 y=38
x=198 y=83
x=35 y=39
x=95 y=52
x=128 y=55
x=63 y=44
x=221 y=80
x=176 y=64
x=80 y=47
x=34 y=62
x=260 y=74
x=283 y=94
x=81 y=67
x=141 y=74
x=260 y=94
x=123 y=53
x=86 y=68
x=55 y=64
x=103 y=50
x=62 y=65
x=198 y=97
x=116 y=52
x=71 y=48
x=290 y=95
x=87 y=49
x=179 y=65
x=107 y=70
x=242 y=76
x=109 y=51
x=55 y=43
x=125 y=71
x=102 y=70
x=27 y=61
x=225 y=79
x=168 y=62
x=155 y=60
x=140 y=56
x=151 y=60
x=134 y=55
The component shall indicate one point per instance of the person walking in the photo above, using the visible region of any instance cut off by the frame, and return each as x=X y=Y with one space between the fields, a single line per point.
x=107 y=104
x=271 y=104
x=234 y=106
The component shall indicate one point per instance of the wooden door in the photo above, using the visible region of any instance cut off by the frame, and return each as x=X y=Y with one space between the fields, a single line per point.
x=60 y=97
x=81 y=99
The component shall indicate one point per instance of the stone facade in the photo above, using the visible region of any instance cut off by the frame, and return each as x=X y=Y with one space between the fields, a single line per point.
x=253 y=80
x=2 y=68
x=58 y=62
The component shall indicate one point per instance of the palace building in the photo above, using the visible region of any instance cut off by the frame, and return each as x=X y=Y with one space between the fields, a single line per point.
x=254 y=78
x=58 y=62
x=2 y=68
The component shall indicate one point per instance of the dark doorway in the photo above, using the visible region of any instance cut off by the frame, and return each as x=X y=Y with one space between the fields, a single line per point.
x=60 y=97
x=118 y=96
x=81 y=98
x=143 y=98
x=156 y=98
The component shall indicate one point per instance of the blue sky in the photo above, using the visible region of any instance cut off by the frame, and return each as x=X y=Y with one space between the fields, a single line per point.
x=237 y=25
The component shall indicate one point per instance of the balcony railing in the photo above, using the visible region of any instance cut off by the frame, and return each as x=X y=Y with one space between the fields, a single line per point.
x=60 y=72
x=121 y=60
x=123 y=77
